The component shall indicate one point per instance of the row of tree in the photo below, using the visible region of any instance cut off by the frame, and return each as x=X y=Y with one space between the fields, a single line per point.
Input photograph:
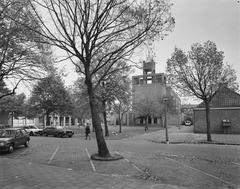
x=49 y=96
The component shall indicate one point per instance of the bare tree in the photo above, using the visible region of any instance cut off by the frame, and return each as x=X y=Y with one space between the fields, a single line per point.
x=96 y=34
x=122 y=98
x=146 y=108
x=198 y=73
x=21 y=56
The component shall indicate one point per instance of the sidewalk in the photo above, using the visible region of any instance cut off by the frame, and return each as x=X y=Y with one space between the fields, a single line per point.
x=185 y=135
x=17 y=174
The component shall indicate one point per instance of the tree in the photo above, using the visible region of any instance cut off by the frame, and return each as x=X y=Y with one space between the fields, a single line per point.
x=96 y=34
x=198 y=73
x=50 y=95
x=20 y=52
x=122 y=101
x=114 y=88
x=14 y=105
x=229 y=77
x=80 y=99
x=146 y=108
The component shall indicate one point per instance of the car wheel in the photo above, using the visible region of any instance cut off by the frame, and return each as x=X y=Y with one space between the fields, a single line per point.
x=69 y=136
x=46 y=134
x=60 y=135
x=10 y=148
x=26 y=143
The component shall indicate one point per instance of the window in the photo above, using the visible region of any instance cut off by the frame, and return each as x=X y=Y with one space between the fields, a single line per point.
x=24 y=132
x=18 y=133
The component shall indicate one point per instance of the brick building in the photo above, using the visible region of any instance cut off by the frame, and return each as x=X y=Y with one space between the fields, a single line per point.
x=152 y=88
x=225 y=105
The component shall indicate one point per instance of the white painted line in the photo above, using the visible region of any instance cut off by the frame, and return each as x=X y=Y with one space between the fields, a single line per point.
x=203 y=172
x=130 y=162
x=54 y=153
x=137 y=167
x=93 y=167
x=236 y=163
x=134 y=165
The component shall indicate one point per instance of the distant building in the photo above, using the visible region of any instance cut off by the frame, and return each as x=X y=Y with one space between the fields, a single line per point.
x=40 y=120
x=224 y=107
x=154 y=87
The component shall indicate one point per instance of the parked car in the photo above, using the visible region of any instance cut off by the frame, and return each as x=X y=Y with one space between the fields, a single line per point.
x=13 y=137
x=33 y=130
x=57 y=132
x=187 y=123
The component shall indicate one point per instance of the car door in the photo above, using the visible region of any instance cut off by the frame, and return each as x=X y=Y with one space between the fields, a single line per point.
x=54 y=131
x=19 y=138
x=50 y=131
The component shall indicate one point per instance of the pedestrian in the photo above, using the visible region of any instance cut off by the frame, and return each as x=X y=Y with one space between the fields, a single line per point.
x=87 y=132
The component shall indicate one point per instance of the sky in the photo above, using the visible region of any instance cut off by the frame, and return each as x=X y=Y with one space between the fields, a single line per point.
x=196 y=21
x=199 y=21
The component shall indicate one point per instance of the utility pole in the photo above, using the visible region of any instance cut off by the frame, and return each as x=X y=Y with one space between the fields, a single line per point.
x=165 y=119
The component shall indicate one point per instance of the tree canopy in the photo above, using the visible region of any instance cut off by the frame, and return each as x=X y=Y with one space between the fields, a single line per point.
x=49 y=95
x=20 y=50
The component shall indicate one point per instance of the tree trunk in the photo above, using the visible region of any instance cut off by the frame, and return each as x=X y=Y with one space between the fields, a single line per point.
x=105 y=119
x=102 y=146
x=12 y=119
x=146 y=123
x=208 y=121
x=120 y=122
x=48 y=119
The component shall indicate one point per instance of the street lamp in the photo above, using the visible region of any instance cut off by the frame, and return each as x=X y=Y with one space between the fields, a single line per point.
x=165 y=119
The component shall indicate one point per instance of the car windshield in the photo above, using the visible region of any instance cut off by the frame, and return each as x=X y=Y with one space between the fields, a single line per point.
x=7 y=133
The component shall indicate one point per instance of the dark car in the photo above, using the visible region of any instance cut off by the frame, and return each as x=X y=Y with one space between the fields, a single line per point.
x=57 y=132
x=13 y=137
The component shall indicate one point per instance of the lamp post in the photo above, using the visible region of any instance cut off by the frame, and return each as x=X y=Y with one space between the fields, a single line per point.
x=165 y=119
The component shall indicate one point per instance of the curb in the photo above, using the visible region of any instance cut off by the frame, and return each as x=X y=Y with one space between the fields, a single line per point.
x=195 y=142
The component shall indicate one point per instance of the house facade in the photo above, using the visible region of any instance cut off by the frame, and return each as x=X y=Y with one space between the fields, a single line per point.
x=224 y=113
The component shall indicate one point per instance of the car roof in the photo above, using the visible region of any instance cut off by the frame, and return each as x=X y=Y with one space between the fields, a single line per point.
x=13 y=129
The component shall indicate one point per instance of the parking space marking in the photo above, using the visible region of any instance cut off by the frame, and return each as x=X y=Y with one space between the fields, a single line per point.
x=203 y=172
x=54 y=153
x=236 y=163
x=91 y=162
x=131 y=163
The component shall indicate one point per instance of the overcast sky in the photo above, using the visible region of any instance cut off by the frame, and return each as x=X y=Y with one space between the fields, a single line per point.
x=199 y=21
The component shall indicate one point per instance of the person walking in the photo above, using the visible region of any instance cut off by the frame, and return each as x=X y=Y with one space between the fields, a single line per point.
x=87 y=132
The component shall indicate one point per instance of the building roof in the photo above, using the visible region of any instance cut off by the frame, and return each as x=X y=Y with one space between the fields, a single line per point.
x=223 y=97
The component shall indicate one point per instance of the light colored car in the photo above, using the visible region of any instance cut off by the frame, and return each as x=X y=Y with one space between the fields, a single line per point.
x=33 y=130
x=188 y=123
